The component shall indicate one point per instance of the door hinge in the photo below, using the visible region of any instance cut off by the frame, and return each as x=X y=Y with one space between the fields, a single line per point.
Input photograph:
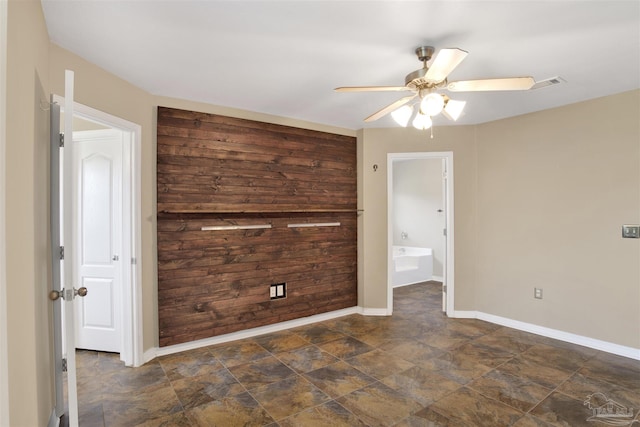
x=61 y=141
x=64 y=364
x=444 y=231
x=444 y=288
x=61 y=252
x=134 y=261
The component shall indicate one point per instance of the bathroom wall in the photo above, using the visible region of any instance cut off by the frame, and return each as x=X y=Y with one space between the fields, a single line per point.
x=417 y=197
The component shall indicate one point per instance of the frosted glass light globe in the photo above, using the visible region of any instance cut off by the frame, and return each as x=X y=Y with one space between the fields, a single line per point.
x=432 y=104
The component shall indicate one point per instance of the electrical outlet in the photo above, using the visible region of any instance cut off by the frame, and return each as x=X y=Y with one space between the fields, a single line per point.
x=278 y=291
x=631 y=231
x=537 y=293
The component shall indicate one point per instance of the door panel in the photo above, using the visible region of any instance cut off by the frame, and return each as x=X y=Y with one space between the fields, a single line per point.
x=54 y=216
x=69 y=279
x=444 y=235
x=99 y=198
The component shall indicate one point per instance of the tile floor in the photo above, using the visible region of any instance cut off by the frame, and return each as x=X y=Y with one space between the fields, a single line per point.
x=416 y=368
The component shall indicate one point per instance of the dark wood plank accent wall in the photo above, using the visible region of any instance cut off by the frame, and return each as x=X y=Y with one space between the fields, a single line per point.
x=217 y=171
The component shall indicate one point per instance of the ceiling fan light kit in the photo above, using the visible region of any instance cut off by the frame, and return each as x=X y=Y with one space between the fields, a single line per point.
x=427 y=81
x=402 y=115
x=432 y=104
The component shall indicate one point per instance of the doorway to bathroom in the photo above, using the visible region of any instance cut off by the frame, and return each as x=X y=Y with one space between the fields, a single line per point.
x=420 y=222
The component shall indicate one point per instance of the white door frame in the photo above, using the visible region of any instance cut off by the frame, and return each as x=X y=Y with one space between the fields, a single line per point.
x=4 y=354
x=131 y=351
x=448 y=278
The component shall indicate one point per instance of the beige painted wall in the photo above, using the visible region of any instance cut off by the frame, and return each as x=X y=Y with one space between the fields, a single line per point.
x=577 y=165
x=96 y=88
x=374 y=145
x=27 y=177
x=554 y=188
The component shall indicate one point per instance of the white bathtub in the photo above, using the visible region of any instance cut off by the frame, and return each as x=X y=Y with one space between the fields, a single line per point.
x=411 y=265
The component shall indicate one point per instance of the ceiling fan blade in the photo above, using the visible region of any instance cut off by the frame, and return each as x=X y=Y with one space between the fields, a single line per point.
x=508 y=83
x=444 y=63
x=389 y=108
x=371 y=89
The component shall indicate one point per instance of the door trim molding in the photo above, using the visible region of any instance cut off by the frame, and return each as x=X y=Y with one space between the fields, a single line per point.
x=447 y=156
x=4 y=353
x=132 y=352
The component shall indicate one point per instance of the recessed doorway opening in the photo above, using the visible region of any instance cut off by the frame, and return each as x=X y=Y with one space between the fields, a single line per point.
x=420 y=222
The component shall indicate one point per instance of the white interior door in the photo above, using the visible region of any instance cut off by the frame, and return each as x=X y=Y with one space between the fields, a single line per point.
x=69 y=279
x=56 y=244
x=98 y=204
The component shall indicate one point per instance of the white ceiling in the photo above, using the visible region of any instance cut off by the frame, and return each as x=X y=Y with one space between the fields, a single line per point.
x=285 y=57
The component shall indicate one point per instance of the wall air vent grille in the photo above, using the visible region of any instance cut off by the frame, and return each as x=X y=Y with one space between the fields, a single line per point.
x=548 y=82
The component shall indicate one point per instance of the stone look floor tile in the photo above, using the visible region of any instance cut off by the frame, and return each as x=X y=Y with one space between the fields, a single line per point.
x=561 y=410
x=506 y=388
x=261 y=372
x=318 y=333
x=531 y=421
x=421 y=385
x=555 y=357
x=503 y=342
x=289 y=396
x=379 y=364
x=615 y=370
x=238 y=411
x=216 y=385
x=456 y=366
x=175 y=420
x=189 y=364
x=281 y=341
x=328 y=414
x=338 y=379
x=378 y=404
x=414 y=421
x=345 y=348
x=544 y=375
x=580 y=387
x=132 y=408
x=482 y=354
x=239 y=352
x=411 y=351
x=306 y=359
x=465 y=407
x=422 y=358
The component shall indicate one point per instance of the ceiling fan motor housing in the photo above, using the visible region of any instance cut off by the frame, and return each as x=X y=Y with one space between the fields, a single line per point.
x=416 y=80
x=425 y=53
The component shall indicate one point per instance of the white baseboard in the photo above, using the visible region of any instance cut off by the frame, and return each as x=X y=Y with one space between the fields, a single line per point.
x=54 y=420
x=437 y=278
x=163 y=351
x=620 y=350
x=374 y=312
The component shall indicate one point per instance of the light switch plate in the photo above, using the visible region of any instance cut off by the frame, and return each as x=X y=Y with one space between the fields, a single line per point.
x=631 y=231
x=537 y=293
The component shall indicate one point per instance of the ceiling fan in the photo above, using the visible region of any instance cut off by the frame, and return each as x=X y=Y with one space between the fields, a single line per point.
x=425 y=82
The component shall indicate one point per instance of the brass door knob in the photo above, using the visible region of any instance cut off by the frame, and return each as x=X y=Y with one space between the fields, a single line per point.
x=55 y=295
x=82 y=291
